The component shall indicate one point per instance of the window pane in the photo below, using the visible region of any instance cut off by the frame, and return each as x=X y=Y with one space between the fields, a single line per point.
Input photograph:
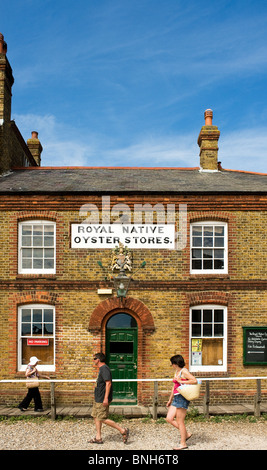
x=218 y=329
x=219 y=230
x=49 y=230
x=37 y=252
x=207 y=253
x=48 y=328
x=218 y=254
x=121 y=320
x=208 y=241
x=48 y=315
x=197 y=231
x=37 y=329
x=26 y=263
x=26 y=241
x=218 y=264
x=197 y=241
x=207 y=329
x=196 y=329
x=208 y=231
x=37 y=263
x=197 y=254
x=37 y=315
x=48 y=263
x=49 y=252
x=48 y=241
x=196 y=264
x=37 y=230
x=26 y=229
x=25 y=329
x=26 y=315
x=26 y=252
x=37 y=241
x=218 y=315
x=207 y=316
x=207 y=264
x=219 y=241
x=196 y=316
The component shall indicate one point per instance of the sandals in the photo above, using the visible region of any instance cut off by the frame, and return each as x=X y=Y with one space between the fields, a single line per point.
x=125 y=435
x=96 y=441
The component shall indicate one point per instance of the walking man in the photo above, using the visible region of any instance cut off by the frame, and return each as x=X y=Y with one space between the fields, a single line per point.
x=102 y=400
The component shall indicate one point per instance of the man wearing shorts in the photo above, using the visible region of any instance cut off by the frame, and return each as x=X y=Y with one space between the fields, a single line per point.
x=103 y=397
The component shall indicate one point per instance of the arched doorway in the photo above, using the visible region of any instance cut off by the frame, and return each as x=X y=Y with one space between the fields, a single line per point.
x=121 y=354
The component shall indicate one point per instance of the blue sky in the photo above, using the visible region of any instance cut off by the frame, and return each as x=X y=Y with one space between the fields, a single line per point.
x=126 y=82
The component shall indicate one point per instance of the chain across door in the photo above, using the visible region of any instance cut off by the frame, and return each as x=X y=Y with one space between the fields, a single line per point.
x=121 y=352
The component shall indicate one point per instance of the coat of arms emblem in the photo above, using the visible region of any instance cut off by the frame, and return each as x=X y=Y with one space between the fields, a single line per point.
x=121 y=258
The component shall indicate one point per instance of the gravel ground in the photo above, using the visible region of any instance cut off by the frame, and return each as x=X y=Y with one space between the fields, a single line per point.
x=74 y=434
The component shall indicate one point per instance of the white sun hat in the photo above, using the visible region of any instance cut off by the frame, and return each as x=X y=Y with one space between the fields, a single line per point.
x=33 y=360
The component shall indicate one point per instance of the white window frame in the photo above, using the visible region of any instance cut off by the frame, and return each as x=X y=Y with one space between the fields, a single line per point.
x=210 y=368
x=225 y=248
x=41 y=367
x=20 y=247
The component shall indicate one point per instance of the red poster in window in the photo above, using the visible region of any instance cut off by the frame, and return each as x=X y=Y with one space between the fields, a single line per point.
x=37 y=342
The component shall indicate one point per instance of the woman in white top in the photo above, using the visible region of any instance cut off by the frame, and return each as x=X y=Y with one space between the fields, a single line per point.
x=33 y=393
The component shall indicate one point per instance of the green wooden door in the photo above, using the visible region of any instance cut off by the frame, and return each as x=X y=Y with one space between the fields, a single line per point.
x=121 y=352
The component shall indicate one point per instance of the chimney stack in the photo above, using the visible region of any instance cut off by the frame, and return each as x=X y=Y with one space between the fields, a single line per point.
x=35 y=147
x=208 y=143
x=6 y=82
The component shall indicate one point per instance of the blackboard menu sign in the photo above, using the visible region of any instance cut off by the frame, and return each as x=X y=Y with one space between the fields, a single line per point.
x=255 y=345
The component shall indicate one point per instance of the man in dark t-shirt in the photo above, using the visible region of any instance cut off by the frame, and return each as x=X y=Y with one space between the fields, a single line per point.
x=103 y=397
x=104 y=376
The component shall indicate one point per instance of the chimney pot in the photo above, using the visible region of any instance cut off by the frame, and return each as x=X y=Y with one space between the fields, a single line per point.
x=208 y=117
x=34 y=135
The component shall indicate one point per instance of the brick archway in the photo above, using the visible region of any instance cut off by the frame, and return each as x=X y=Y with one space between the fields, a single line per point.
x=114 y=304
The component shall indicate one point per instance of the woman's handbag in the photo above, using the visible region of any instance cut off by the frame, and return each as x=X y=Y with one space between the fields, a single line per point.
x=190 y=391
x=32 y=383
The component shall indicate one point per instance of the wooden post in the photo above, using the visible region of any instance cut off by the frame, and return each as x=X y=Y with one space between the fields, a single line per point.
x=155 y=401
x=53 y=401
x=206 y=403
x=257 y=400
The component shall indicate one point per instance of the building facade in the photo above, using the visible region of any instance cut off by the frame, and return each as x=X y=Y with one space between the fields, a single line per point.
x=68 y=233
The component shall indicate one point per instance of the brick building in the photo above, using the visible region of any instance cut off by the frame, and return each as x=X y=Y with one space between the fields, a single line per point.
x=202 y=292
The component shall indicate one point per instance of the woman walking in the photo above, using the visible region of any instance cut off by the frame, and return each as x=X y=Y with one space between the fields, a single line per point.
x=33 y=393
x=177 y=404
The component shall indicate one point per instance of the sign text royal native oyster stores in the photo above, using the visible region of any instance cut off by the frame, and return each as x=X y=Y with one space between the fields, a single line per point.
x=131 y=235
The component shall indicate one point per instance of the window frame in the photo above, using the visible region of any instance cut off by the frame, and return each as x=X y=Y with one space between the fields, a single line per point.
x=225 y=248
x=41 y=367
x=40 y=222
x=209 y=368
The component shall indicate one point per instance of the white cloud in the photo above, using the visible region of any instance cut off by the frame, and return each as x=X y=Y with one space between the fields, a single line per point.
x=244 y=150
x=64 y=146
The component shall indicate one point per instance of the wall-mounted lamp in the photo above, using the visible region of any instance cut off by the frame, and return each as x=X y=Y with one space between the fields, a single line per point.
x=121 y=281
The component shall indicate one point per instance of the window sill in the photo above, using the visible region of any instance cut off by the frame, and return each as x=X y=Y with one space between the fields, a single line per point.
x=35 y=275
x=210 y=275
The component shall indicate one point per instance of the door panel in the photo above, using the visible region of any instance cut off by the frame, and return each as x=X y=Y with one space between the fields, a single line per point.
x=122 y=359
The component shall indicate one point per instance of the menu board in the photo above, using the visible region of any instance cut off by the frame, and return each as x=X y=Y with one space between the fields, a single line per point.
x=255 y=345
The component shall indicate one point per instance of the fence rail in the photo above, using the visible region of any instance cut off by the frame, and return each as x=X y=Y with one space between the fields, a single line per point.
x=206 y=399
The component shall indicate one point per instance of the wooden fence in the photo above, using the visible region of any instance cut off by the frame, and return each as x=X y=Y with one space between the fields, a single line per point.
x=206 y=399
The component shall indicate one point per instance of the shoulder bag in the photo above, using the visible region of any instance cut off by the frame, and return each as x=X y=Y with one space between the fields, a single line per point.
x=190 y=391
x=32 y=383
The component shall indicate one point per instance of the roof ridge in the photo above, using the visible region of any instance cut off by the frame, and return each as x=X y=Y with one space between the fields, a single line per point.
x=101 y=168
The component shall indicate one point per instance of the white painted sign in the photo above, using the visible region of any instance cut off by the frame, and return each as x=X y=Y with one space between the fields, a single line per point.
x=146 y=236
